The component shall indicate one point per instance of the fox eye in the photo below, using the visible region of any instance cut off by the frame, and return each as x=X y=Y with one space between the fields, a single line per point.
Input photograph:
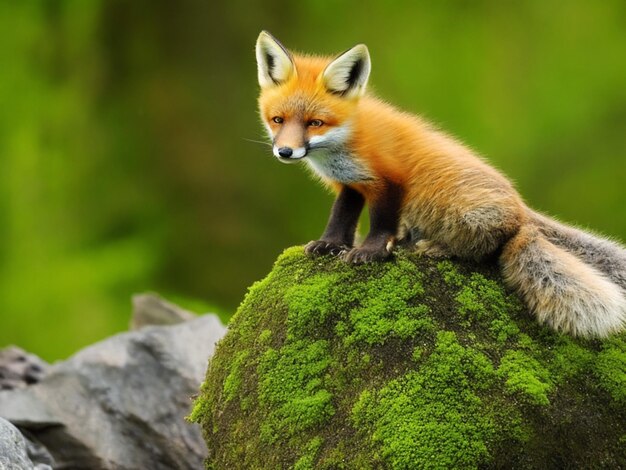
x=315 y=123
x=277 y=119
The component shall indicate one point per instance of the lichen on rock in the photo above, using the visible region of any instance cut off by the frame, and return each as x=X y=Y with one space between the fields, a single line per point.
x=413 y=363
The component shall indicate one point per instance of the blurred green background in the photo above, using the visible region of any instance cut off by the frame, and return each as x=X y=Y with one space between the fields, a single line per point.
x=124 y=164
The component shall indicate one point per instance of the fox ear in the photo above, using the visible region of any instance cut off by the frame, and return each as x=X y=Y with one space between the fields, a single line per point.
x=347 y=75
x=275 y=65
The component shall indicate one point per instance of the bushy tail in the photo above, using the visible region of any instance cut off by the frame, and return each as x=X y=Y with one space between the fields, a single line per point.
x=565 y=284
x=603 y=254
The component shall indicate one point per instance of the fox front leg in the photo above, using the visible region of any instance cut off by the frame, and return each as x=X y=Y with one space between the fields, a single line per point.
x=384 y=220
x=338 y=237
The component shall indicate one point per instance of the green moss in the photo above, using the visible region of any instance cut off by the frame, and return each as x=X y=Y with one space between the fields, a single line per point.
x=417 y=353
x=310 y=303
x=264 y=337
x=291 y=387
x=232 y=382
x=379 y=309
x=525 y=377
x=201 y=407
x=437 y=411
x=404 y=364
x=307 y=461
x=450 y=274
x=385 y=307
x=485 y=302
x=346 y=457
x=502 y=330
x=568 y=359
x=372 y=325
x=611 y=368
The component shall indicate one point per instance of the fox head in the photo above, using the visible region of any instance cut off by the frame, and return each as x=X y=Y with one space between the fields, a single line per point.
x=306 y=102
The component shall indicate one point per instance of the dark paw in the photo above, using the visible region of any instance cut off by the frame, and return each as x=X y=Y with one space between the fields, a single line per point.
x=320 y=248
x=366 y=255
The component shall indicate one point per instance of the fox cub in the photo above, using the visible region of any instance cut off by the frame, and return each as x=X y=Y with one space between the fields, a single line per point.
x=425 y=187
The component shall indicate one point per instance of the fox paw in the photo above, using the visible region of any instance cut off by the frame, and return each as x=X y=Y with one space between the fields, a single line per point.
x=431 y=249
x=366 y=255
x=320 y=248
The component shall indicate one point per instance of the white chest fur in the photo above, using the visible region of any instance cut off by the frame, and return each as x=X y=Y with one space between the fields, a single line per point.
x=337 y=165
x=329 y=158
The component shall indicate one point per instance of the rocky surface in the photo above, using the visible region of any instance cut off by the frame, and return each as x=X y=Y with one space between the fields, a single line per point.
x=413 y=363
x=151 y=309
x=14 y=450
x=121 y=403
x=19 y=368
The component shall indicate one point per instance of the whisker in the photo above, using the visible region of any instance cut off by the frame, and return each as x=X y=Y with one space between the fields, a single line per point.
x=257 y=141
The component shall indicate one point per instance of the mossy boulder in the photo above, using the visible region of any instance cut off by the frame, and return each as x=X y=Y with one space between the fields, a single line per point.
x=413 y=363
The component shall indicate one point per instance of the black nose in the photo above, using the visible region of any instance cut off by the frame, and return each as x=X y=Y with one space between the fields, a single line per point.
x=285 y=152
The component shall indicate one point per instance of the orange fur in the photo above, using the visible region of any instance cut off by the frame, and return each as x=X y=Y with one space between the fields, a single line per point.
x=437 y=173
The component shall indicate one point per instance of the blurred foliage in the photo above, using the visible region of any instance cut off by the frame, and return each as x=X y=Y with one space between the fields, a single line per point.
x=124 y=165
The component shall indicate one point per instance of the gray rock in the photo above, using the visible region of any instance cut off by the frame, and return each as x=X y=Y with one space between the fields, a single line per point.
x=19 y=368
x=152 y=309
x=37 y=452
x=121 y=403
x=13 y=449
